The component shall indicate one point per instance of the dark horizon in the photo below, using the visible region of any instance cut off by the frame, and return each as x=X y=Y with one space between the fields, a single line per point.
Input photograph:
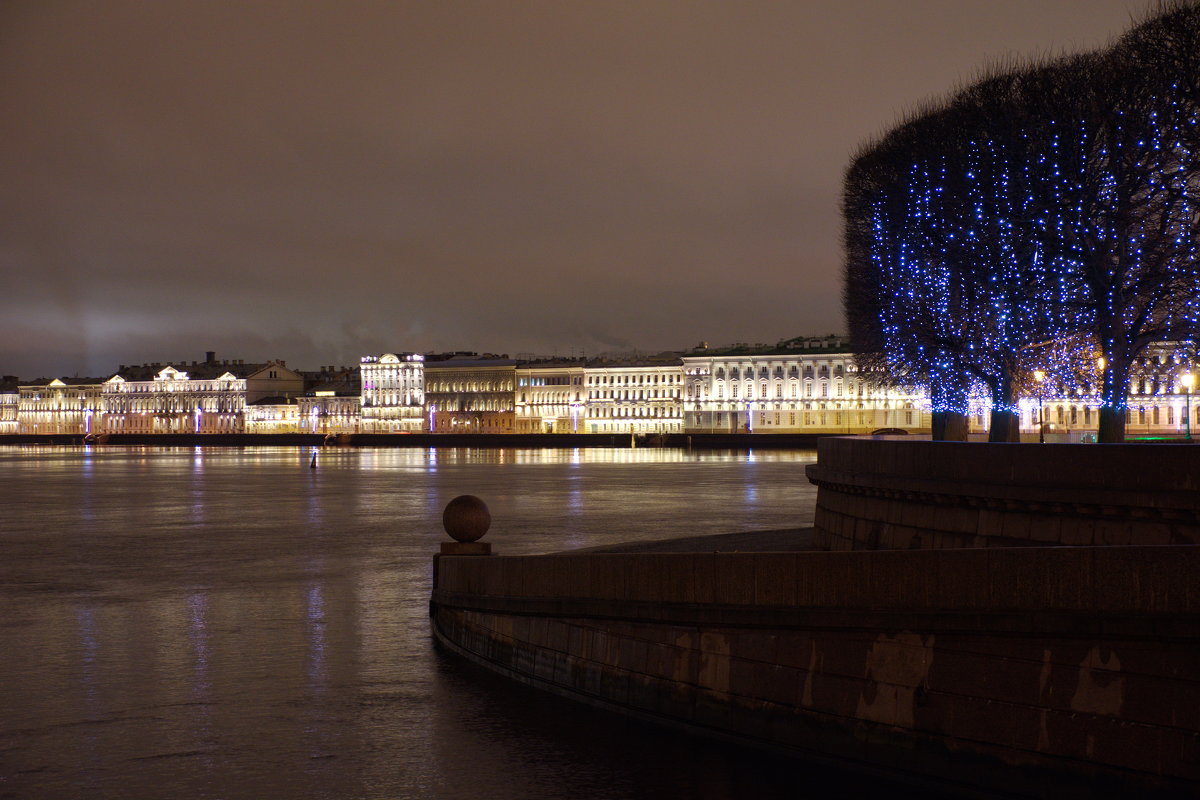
x=315 y=184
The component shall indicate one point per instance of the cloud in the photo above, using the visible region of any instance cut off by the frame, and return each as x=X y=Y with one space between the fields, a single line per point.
x=321 y=180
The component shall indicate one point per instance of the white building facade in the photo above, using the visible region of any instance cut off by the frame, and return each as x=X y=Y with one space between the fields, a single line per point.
x=634 y=398
x=272 y=415
x=328 y=412
x=393 y=393
x=806 y=392
x=10 y=401
x=208 y=398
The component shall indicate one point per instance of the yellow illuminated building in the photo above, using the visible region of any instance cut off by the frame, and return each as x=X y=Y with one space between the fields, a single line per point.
x=550 y=398
x=467 y=393
x=59 y=406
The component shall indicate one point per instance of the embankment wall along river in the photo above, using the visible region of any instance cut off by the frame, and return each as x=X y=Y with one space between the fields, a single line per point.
x=1033 y=670
x=698 y=441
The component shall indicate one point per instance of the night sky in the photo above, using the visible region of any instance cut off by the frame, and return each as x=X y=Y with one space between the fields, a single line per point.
x=316 y=181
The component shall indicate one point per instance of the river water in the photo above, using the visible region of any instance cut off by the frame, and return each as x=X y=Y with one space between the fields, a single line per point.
x=229 y=623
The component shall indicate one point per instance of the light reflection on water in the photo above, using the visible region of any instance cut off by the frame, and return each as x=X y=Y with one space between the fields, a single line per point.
x=229 y=623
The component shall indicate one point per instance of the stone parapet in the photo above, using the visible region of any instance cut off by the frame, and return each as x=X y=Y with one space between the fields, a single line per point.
x=900 y=493
x=1026 y=670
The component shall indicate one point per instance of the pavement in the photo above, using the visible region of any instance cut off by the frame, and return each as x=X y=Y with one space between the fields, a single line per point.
x=778 y=541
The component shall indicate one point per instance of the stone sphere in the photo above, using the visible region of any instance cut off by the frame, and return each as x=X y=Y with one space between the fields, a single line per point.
x=466 y=518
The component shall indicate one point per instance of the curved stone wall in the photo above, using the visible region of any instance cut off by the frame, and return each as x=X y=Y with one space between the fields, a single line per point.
x=1036 y=671
x=899 y=493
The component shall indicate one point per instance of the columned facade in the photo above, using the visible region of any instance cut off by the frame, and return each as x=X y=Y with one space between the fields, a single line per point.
x=272 y=415
x=471 y=395
x=777 y=392
x=393 y=393
x=209 y=397
x=550 y=399
x=59 y=406
x=635 y=398
x=10 y=399
x=327 y=412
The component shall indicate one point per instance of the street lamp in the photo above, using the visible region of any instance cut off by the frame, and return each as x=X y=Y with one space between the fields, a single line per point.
x=1187 y=379
x=1039 y=377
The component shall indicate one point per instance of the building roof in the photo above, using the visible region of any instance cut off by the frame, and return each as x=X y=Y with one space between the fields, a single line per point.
x=468 y=361
x=800 y=345
x=64 y=381
x=196 y=370
x=339 y=380
x=659 y=360
x=274 y=400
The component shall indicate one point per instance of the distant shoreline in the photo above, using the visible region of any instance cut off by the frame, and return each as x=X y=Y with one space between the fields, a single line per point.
x=698 y=441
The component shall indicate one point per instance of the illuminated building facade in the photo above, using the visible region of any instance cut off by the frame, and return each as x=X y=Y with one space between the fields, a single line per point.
x=272 y=415
x=802 y=386
x=797 y=386
x=59 y=406
x=393 y=393
x=549 y=398
x=207 y=397
x=10 y=397
x=332 y=403
x=468 y=393
x=635 y=398
x=1160 y=402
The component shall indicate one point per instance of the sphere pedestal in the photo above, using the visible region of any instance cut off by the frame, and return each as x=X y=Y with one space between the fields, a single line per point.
x=466 y=519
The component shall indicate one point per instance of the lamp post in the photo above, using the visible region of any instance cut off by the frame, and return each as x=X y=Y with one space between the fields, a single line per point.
x=1039 y=377
x=1187 y=379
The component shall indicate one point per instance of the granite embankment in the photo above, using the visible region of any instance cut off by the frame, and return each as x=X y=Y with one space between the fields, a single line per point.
x=1036 y=671
x=698 y=441
x=896 y=493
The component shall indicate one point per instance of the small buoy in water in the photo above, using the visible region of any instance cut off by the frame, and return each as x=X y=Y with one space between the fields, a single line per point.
x=313 y=463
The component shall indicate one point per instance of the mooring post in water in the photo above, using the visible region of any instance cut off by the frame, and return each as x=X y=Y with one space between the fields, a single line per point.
x=466 y=519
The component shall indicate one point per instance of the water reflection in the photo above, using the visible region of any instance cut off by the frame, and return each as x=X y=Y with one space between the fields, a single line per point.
x=227 y=623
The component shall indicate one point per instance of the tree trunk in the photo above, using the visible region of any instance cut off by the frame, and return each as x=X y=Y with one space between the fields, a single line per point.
x=949 y=426
x=949 y=401
x=1114 y=396
x=1005 y=424
x=1112 y=425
